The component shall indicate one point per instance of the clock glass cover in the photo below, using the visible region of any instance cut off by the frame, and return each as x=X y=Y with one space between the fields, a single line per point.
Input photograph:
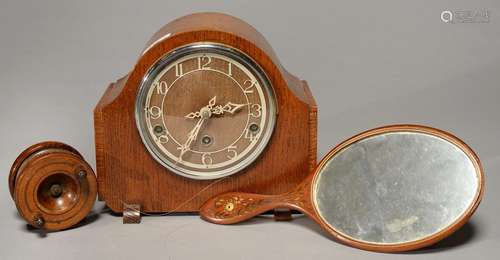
x=205 y=111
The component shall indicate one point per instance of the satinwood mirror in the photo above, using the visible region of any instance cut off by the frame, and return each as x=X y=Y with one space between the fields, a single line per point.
x=394 y=188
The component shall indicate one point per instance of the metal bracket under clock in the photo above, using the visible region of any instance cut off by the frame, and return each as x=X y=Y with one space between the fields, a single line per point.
x=131 y=213
x=282 y=214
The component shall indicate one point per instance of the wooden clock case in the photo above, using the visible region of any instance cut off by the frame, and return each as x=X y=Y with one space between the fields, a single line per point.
x=128 y=174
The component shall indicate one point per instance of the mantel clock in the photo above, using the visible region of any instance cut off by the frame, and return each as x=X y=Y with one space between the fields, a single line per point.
x=207 y=109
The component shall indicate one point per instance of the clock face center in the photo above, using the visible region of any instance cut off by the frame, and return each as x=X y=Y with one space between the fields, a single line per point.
x=205 y=113
x=184 y=98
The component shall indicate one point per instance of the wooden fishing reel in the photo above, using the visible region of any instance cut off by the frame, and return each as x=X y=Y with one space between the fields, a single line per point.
x=52 y=186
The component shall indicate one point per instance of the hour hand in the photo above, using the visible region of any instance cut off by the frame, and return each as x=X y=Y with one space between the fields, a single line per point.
x=193 y=115
x=197 y=114
x=229 y=107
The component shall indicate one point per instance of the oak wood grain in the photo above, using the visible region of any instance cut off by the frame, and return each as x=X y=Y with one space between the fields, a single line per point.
x=127 y=173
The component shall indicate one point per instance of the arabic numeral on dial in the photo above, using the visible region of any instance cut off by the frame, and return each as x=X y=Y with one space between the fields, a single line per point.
x=232 y=151
x=161 y=87
x=203 y=62
x=206 y=159
x=163 y=139
x=256 y=110
x=248 y=85
x=154 y=112
x=178 y=70
x=251 y=136
x=229 y=69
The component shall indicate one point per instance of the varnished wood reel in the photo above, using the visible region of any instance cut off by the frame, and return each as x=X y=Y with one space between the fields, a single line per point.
x=52 y=186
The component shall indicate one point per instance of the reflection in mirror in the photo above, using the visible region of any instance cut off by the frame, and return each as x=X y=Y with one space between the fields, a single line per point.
x=395 y=187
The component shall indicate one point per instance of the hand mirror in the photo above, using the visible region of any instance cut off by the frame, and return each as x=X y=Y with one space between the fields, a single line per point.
x=394 y=188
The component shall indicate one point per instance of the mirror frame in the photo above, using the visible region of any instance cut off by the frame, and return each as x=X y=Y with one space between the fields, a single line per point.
x=412 y=245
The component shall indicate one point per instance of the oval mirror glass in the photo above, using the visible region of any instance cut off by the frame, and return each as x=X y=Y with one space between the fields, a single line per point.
x=397 y=187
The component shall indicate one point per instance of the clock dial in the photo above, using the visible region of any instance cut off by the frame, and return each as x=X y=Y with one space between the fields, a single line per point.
x=205 y=111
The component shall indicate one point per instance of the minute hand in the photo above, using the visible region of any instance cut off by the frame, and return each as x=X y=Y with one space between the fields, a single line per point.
x=229 y=107
x=191 y=137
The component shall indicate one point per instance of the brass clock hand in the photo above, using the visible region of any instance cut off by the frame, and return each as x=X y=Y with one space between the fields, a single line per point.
x=197 y=114
x=193 y=115
x=211 y=103
x=204 y=113
x=192 y=135
x=229 y=107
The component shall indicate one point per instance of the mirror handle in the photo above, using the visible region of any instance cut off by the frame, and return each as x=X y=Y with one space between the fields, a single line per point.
x=235 y=207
